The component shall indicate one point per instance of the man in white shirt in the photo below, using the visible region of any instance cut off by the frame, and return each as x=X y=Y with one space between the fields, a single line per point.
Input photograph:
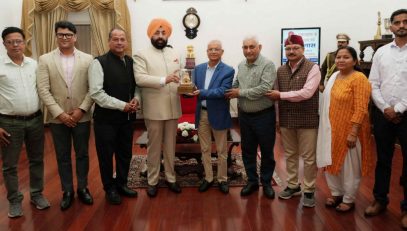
x=20 y=122
x=388 y=77
x=62 y=82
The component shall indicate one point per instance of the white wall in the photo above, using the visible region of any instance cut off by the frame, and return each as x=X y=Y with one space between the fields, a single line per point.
x=231 y=20
x=10 y=16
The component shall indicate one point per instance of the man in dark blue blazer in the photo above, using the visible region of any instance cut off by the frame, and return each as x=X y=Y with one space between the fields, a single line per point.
x=212 y=114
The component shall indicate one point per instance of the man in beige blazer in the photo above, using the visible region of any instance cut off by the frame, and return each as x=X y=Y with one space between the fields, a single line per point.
x=62 y=82
x=156 y=72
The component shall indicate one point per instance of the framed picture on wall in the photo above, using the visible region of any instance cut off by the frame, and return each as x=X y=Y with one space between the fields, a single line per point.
x=312 y=39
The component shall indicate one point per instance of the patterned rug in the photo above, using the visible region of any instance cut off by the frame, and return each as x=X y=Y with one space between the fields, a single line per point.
x=189 y=172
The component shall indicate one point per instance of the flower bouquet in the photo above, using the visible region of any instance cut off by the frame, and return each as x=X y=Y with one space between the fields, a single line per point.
x=186 y=133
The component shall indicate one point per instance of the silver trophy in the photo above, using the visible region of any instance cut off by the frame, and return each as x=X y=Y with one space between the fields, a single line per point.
x=387 y=34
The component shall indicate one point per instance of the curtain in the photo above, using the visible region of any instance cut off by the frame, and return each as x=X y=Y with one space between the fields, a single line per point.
x=102 y=21
x=104 y=14
x=44 y=29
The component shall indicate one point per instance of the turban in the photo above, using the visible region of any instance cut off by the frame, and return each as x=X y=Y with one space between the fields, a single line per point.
x=342 y=37
x=294 y=39
x=157 y=23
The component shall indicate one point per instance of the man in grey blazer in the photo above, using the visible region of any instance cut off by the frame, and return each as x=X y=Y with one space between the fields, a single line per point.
x=62 y=82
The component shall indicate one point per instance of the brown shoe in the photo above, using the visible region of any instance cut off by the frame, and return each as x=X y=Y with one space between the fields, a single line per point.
x=375 y=208
x=404 y=220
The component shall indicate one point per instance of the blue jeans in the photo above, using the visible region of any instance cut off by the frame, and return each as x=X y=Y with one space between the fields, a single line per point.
x=258 y=129
x=385 y=133
x=63 y=136
x=31 y=132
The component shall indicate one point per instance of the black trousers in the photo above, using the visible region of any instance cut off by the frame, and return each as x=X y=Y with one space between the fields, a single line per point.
x=258 y=129
x=63 y=137
x=385 y=133
x=117 y=140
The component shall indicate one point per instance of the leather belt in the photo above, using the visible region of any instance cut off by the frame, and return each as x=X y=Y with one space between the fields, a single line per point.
x=204 y=108
x=22 y=117
x=257 y=113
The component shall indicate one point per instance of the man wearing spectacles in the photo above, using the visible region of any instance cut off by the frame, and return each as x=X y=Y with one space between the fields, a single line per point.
x=20 y=122
x=62 y=81
x=212 y=115
x=297 y=96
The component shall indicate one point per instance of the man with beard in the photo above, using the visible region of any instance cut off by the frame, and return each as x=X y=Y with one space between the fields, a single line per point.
x=297 y=83
x=328 y=66
x=156 y=72
x=388 y=77
x=113 y=88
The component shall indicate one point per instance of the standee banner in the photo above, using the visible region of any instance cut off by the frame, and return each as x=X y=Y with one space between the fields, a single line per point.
x=311 y=37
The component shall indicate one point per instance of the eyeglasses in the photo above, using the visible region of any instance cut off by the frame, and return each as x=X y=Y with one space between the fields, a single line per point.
x=16 y=42
x=213 y=50
x=292 y=48
x=66 y=35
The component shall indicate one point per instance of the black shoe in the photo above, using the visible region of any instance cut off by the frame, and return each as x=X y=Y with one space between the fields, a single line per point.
x=126 y=191
x=67 y=200
x=224 y=187
x=152 y=190
x=143 y=174
x=173 y=187
x=84 y=196
x=249 y=188
x=205 y=185
x=268 y=191
x=113 y=197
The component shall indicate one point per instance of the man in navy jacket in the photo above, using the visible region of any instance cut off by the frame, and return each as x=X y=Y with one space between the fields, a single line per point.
x=212 y=114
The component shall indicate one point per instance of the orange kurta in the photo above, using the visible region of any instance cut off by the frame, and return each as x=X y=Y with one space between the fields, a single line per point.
x=349 y=104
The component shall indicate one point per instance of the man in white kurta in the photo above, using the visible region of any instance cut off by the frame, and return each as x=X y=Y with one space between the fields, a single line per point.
x=156 y=72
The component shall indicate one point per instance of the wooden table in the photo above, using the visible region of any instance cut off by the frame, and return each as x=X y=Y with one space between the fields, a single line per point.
x=185 y=154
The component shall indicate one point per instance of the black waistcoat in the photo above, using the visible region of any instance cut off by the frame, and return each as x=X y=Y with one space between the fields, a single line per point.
x=118 y=82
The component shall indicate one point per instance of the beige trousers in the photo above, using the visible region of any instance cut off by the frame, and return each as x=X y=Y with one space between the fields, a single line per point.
x=346 y=184
x=205 y=140
x=161 y=137
x=300 y=143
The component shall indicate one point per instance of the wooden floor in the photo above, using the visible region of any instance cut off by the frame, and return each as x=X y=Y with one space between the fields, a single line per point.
x=192 y=210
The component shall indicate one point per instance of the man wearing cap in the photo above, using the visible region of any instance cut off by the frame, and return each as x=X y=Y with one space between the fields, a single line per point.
x=328 y=66
x=113 y=88
x=296 y=89
x=156 y=72
x=257 y=117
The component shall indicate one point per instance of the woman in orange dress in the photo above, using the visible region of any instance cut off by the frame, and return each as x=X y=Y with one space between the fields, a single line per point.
x=343 y=147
